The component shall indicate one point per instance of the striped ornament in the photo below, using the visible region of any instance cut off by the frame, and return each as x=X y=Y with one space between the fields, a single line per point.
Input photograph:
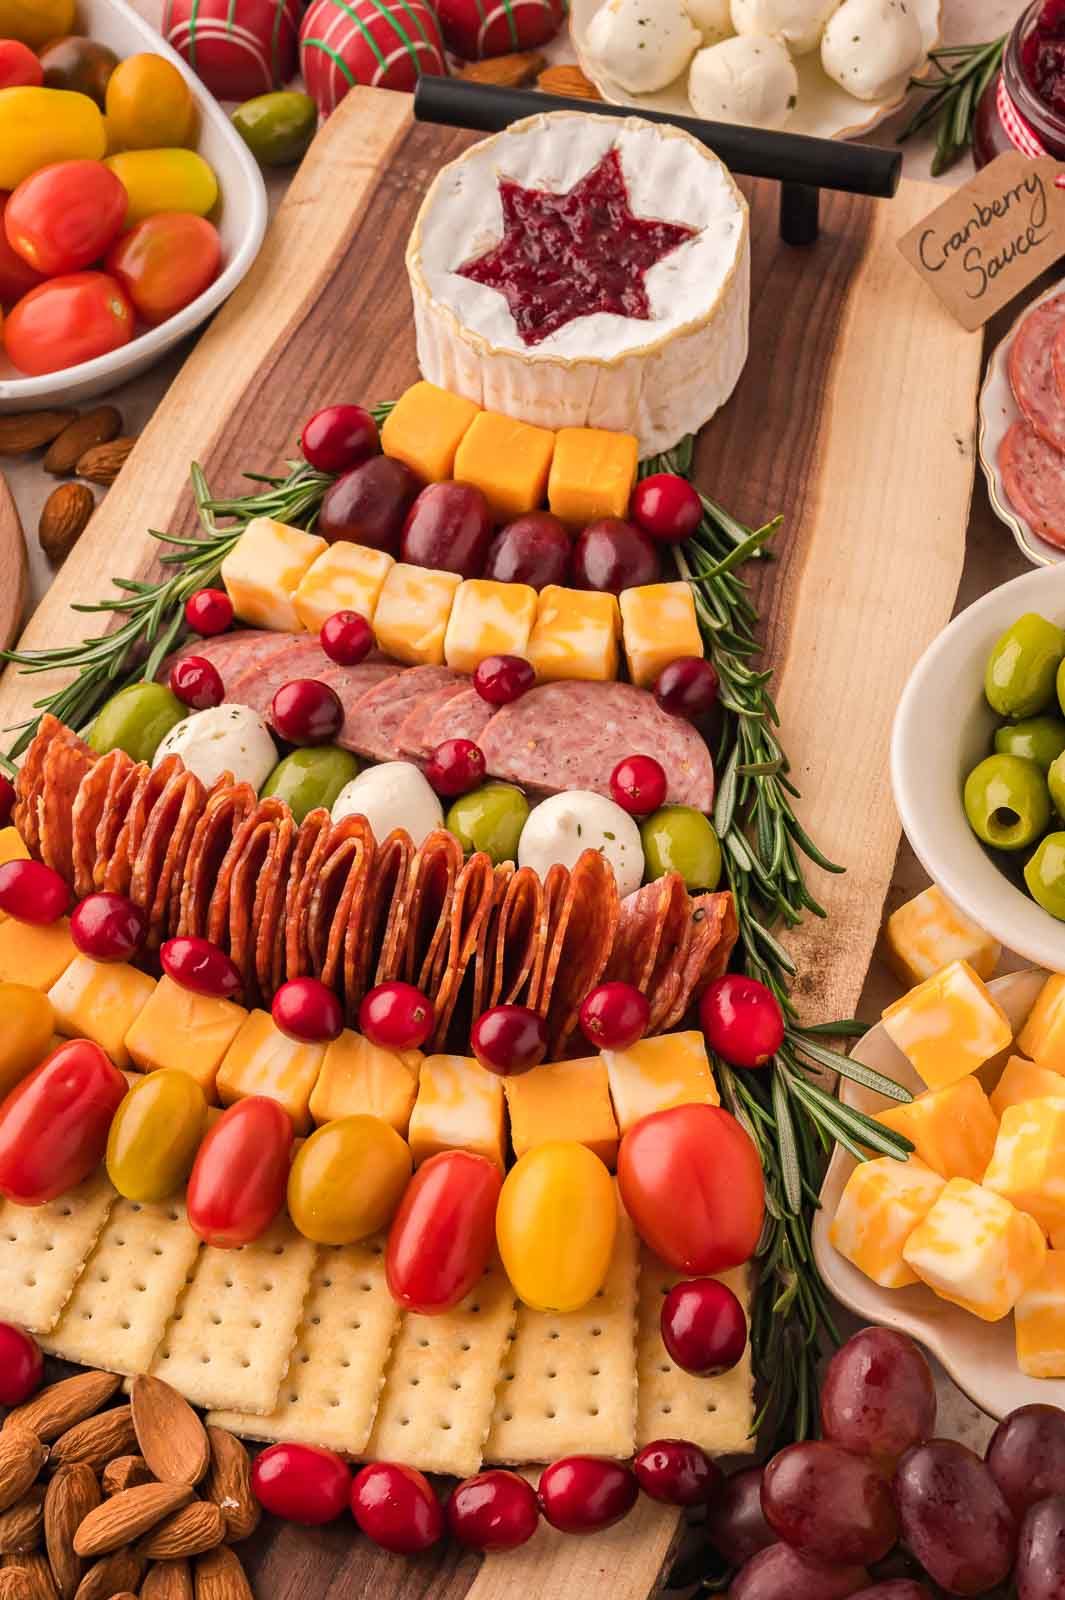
x=386 y=44
x=239 y=48
x=474 y=29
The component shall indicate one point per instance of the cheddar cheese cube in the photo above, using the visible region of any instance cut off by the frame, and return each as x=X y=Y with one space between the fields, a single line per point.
x=11 y=849
x=654 y=1074
x=508 y=461
x=100 y=1000
x=1039 y=1321
x=459 y=1107
x=592 y=474
x=575 y=635
x=948 y=1026
x=36 y=956
x=488 y=619
x=880 y=1207
x=658 y=624
x=928 y=933
x=563 y=1100
x=182 y=1029
x=346 y=577
x=1022 y=1080
x=263 y=1060
x=265 y=568
x=976 y=1250
x=412 y=613
x=1043 y=1036
x=360 y=1078
x=1028 y=1164
x=425 y=428
x=953 y=1129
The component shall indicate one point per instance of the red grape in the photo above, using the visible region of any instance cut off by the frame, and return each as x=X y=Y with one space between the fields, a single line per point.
x=667 y=507
x=781 y=1573
x=1026 y=1456
x=338 y=438
x=534 y=549
x=613 y=555
x=1040 y=1570
x=828 y=1504
x=368 y=504
x=879 y=1396
x=449 y=527
x=687 y=687
x=896 y=1589
x=735 y=1521
x=953 y=1517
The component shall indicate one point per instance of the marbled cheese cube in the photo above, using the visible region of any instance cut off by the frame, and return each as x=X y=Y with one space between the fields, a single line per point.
x=263 y=1060
x=1039 y=1320
x=100 y=1000
x=881 y=1205
x=1022 y=1080
x=358 y=1077
x=1028 y=1164
x=412 y=614
x=508 y=461
x=425 y=428
x=654 y=1074
x=563 y=1100
x=953 y=1129
x=592 y=474
x=948 y=1026
x=575 y=635
x=265 y=568
x=658 y=624
x=488 y=619
x=928 y=933
x=33 y=955
x=182 y=1029
x=459 y=1107
x=976 y=1250
x=346 y=577
x=1043 y=1036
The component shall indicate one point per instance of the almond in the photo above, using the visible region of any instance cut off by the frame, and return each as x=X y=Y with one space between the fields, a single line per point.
x=92 y=428
x=118 y=1573
x=71 y=1495
x=64 y=518
x=98 y=1439
x=125 y=1472
x=15 y=1584
x=22 y=1525
x=228 y=1485
x=171 y=1436
x=125 y=1516
x=39 y=1573
x=505 y=72
x=55 y=1409
x=219 y=1575
x=22 y=1455
x=168 y=1580
x=190 y=1531
x=569 y=81
x=104 y=462
x=24 y=431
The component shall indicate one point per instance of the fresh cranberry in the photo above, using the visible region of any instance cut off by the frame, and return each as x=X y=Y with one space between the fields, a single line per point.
x=32 y=892
x=704 y=1329
x=209 y=611
x=7 y=800
x=667 y=507
x=742 y=1020
x=397 y=1016
x=305 y=1009
x=494 y=1511
x=338 y=438
x=346 y=638
x=396 y=1508
x=612 y=555
x=614 y=1016
x=307 y=711
x=501 y=679
x=688 y=687
x=585 y=1494
x=199 y=965
x=638 y=785
x=21 y=1365
x=676 y=1472
x=301 y=1483
x=197 y=682
x=509 y=1040
x=108 y=927
x=456 y=767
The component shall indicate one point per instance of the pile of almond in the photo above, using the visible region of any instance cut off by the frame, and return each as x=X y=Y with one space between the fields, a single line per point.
x=133 y=1499
x=90 y=444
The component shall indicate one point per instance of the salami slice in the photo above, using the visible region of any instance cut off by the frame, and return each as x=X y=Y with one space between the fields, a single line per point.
x=233 y=654
x=1033 y=474
x=412 y=737
x=464 y=715
x=373 y=723
x=1031 y=371
x=572 y=736
x=297 y=656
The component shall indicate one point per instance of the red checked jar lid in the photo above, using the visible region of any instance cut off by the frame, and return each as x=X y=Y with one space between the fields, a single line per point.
x=1023 y=107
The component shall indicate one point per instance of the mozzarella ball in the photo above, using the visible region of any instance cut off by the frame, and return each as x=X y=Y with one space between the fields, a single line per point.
x=394 y=795
x=562 y=828
x=749 y=80
x=642 y=44
x=797 y=23
x=870 y=47
x=712 y=18
x=225 y=738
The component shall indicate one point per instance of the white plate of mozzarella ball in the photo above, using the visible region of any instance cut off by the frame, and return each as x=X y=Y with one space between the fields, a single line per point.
x=832 y=68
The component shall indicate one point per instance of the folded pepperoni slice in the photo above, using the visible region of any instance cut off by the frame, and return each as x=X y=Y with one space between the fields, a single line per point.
x=714 y=931
x=222 y=817
x=150 y=787
x=484 y=959
x=29 y=785
x=164 y=849
x=517 y=938
x=65 y=765
x=580 y=947
x=90 y=806
x=269 y=910
x=382 y=957
x=470 y=908
x=309 y=851
x=434 y=873
x=338 y=904
x=555 y=887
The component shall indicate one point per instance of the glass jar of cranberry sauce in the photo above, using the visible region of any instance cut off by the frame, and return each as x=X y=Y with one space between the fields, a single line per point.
x=1023 y=107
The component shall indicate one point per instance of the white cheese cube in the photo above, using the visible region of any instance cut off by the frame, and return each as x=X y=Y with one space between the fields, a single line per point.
x=265 y=568
x=658 y=624
x=346 y=577
x=460 y=1106
x=575 y=635
x=488 y=619
x=881 y=1205
x=412 y=613
x=976 y=1250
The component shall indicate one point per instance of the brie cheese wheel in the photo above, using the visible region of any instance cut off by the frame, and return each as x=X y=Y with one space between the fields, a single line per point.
x=797 y=23
x=870 y=47
x=750 y=79
x=659 y=373
x=642 y=44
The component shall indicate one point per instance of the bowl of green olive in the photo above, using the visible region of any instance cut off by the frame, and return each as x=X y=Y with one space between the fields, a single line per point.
x=978 y=764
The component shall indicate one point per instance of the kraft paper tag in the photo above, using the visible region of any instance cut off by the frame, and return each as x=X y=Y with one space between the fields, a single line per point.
x=993 y=237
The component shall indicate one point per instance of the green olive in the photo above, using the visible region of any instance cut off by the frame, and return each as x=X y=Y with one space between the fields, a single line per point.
x=680 y=839
x=1045 y=875
x=490 y=818
x=1022 y=667
x=1038 y=739
x=277 y=128
x=1007 y=802
x=311 y=777
x=137 y=720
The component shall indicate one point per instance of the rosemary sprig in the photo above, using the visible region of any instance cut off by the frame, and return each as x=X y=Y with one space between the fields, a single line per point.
x=962 y=73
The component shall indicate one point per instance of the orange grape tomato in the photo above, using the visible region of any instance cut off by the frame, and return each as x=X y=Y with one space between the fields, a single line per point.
x=166 y=262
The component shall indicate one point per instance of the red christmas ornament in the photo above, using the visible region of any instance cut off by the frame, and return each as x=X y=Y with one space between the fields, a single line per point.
x=386 y=44
x=239 y=48
x=474 y=29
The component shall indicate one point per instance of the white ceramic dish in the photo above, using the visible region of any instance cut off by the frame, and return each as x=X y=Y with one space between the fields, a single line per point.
x=825 y=110
x=240 y=216
x=998 y=412
x=943 y=727
x=979 y=1356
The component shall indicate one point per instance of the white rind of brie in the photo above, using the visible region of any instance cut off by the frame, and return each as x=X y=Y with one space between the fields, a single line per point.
x=658 y=379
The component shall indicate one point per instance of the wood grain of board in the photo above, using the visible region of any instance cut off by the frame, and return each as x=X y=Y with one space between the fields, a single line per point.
x=14 y=569
x=854 y=418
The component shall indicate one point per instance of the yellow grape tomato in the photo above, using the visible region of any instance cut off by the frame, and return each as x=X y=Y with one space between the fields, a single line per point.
x=42 y=126
x=149 y=106
x=36 y=21
x=347 y=1180
x=555 y=1226
x=155 y=1135
x=164 y=180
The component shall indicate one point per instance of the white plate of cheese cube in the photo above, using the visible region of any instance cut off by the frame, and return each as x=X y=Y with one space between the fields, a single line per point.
x=979 y=1355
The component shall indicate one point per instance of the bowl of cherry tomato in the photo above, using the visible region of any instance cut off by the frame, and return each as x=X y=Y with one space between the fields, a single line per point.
x=120 y=250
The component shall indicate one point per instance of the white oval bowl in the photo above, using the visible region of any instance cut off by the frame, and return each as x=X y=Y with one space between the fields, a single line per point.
x=240 y=217
x=943 y=727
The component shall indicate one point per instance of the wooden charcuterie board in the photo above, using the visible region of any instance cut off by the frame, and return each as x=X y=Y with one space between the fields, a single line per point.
x=854 y=419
